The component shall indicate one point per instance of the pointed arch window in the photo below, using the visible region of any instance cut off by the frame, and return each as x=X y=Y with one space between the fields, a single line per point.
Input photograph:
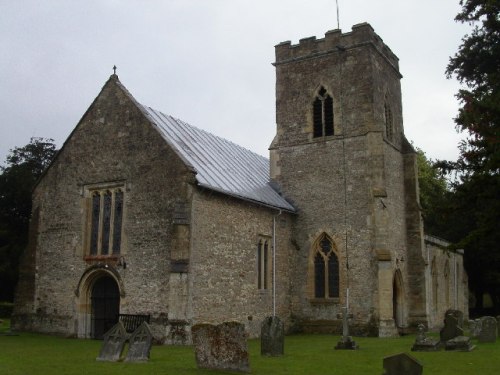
x=323 y=114
x=326 y=270
x=106 y=217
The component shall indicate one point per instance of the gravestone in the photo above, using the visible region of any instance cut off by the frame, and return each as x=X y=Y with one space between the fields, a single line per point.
x=474 y=328
x=451 y=328
x=346 y=341
x=222 y=347
x=272 y=337
x=488 y=330
x=140 y=344
x=423 y=343
x=458 y=315
x=459 y=344
x=113 y=344
x=402 y=364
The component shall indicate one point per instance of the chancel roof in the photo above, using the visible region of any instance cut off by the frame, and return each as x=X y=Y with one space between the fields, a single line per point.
x=220 y=165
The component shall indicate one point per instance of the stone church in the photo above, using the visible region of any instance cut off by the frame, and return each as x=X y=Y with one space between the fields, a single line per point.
x=142 y=215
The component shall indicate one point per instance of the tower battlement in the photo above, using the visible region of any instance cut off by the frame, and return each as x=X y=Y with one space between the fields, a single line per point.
x=362 y=34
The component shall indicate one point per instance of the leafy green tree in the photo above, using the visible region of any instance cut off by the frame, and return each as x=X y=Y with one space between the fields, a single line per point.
x=24 y=165
x=433 y=194
x=476 y=65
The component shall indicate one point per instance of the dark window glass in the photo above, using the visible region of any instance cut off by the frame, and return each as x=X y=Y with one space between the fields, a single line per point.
x=94 y=229
x=328 y=106
x=333 y=276
x=264 y=269
x=318 y=118
x=388 y=121
x=117 y=223
x=106 y=223
x=319 y=276
x=259 y=265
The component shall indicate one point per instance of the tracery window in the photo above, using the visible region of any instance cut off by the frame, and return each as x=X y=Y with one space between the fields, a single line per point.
x=106 y=221
x=263 y=264
x=326 y=269
x=322 y=114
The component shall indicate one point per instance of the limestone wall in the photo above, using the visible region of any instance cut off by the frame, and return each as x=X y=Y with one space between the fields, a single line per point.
x=223 y=265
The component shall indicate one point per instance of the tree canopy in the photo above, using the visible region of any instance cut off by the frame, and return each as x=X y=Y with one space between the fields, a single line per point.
x=475 y=202
x=24 y=165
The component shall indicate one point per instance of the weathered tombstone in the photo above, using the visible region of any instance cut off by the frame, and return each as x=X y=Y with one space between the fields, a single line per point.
x=272 y=337
x=459 y=344
x=346 y=341
x=113 y=343
x=140 y=344
x=402 y=364
x=474 y=327
x=488 y=331
x=222 y=347
x=451 y=328
x=423 y=343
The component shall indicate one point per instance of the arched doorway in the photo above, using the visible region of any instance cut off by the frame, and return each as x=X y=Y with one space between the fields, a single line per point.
x=105 y=304
x=397 y=300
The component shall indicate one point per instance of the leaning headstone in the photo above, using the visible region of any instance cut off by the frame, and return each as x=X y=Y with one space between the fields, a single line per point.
x=451 y=328
x=402 y=363
x=113 y=343
x=222 y=347
x=140 y=344
x=423 y=343
x=346 y=341
x=488 y=332
x=459 y=344
x=272 y=337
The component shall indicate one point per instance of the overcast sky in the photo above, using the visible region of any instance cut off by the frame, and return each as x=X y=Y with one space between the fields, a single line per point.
x=208 y=62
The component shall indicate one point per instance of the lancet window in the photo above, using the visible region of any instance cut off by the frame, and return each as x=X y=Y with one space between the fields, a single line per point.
x=326 y=269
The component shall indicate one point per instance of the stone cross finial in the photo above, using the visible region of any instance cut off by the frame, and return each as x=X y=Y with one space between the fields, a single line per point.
x=114 y=69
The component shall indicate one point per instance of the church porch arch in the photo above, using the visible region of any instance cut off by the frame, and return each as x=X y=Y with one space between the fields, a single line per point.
x=99 y=294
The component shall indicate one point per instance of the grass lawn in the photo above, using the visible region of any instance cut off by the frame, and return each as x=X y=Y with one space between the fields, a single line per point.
x=28 y=354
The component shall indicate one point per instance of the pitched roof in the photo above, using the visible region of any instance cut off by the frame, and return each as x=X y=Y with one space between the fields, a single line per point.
x=220 y=165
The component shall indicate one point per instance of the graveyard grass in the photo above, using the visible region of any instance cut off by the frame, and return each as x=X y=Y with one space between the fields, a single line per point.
x=304 y=354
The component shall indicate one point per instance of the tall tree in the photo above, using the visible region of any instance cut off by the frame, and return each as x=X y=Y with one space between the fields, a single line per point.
x=476 y=65
x=24 y=165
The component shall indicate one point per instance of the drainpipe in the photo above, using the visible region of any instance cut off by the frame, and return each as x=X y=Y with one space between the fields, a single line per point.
x=274 y=262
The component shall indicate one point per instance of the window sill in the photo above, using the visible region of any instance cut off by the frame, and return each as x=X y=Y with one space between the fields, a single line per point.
x=324 y=301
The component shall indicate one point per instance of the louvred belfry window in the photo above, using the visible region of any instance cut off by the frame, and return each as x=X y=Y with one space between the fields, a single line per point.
x=106 y=220
x=323 y=114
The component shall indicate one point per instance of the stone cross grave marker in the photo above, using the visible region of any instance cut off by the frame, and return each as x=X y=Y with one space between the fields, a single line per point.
x=488 y=330
x=451 y=328
x=423 y=343
x=272 y=337
x=346 y=341
x=140 y=344
x=402 y=364
x=222 y=347
x=113 y=344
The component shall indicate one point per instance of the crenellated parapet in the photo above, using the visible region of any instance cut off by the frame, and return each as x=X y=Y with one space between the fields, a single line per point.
x=361 y=35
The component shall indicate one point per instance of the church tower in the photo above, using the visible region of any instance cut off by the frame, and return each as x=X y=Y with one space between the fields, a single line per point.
x=341 y=157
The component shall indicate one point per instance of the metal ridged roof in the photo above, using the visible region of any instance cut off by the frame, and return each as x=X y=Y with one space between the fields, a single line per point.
x=220 y=165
